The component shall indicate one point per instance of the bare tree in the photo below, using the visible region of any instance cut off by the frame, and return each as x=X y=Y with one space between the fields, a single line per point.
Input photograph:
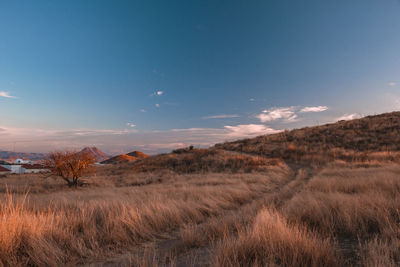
x=70 y=165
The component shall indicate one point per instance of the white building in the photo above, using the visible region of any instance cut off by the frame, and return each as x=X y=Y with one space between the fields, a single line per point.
x=24 y=168
x=19 y=161
x=14 y=168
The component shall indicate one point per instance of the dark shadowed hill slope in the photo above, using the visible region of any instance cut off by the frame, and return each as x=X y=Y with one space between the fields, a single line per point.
x=119 y=159
x=138 y=154
x=133 y=156
x=200 y=161
x=360 y=138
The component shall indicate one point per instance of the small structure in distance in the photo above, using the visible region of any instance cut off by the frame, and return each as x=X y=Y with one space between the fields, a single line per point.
x=21 y=166
x=22 y=161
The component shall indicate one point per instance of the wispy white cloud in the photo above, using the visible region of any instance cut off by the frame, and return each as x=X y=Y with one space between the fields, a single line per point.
x=313 y=109
x=222 y=116
x=157 y=105
x=392 y=84
x=155 y=146
x=288 y=114
x=142 y=110
x=129 y=124
x=249 y=130
x=6 y=95
x=157 y=93
x=44 y=140
x=252 y=100
x=94 y=132
x=347 y=117
x=16 y=132
x=189 y=130
x=31 y=133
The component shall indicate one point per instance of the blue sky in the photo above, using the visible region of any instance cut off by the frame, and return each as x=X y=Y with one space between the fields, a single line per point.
x=154 y=75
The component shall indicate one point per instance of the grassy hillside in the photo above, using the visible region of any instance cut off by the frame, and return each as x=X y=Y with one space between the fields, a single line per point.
x=203 y=161
x=368 y=138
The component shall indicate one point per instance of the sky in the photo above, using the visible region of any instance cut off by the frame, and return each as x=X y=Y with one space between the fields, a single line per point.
x=158 y=75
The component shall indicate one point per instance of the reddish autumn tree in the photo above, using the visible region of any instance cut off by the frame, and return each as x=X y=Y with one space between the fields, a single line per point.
x=70 y=165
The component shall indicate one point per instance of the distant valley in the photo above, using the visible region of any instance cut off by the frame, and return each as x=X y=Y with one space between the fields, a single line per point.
x=11 y=156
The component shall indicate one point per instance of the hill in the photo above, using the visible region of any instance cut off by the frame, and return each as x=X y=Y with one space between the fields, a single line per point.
x=138 y=154
x=371 y=137
x=190 y=160
x=130 y=157
x=96 y=153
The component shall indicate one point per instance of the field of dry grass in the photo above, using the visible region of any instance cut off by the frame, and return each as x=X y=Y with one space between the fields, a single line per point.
x=54 y=225
x=287 y=206
x=283 y=216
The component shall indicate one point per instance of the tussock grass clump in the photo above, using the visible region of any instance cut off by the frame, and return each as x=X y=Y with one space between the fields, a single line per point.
x=272 y=241
x=22 y=235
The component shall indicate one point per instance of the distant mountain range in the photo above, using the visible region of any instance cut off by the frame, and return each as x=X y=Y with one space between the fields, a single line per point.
x=96 y=153
x=10 y=156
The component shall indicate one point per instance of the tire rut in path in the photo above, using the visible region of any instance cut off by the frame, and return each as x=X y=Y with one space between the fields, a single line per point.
x=164 y=248
x=203 y=254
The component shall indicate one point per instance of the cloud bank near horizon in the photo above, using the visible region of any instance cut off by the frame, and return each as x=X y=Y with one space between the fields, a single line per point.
x=287 y=114
x=117 y=141
x=122 y=141
x=347 y=117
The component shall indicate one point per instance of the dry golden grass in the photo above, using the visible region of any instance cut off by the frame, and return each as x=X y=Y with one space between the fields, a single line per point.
x=218 y=227
x=59 y=226
x=203 y=161
x=218 y=216
x=272 y=241
x=352 y=202
x=381 y=252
